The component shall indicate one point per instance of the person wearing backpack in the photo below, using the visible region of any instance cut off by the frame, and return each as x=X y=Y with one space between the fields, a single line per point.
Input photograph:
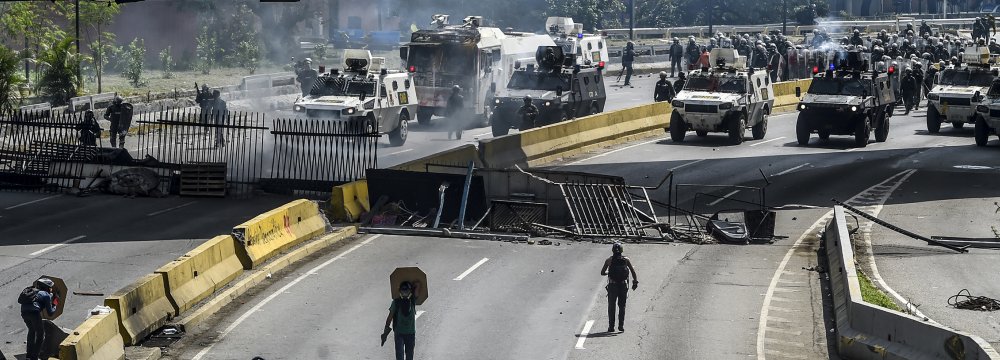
x=402 y=319
x=617 y=269
x=35 y=299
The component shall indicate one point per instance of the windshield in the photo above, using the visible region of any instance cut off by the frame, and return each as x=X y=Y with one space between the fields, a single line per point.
x=523 y=80
x=342 y=87
x=716 y=84
x=825 y=86
x=966 y=77
x=423 y=58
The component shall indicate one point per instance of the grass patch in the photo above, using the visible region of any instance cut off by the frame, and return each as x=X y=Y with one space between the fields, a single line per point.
x=873 y=295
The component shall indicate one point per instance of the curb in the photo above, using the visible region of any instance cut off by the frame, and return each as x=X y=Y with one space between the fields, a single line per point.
x=224 y=298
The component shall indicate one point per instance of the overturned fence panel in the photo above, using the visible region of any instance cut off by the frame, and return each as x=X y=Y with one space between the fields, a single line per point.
x=31 y=140
x=314 y=155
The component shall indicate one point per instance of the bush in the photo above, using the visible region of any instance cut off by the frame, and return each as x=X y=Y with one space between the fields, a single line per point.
x=10 y=79
x=58 y=82
x=206 y=51
x=248 y=55
x=166 y=63
x=133 y=61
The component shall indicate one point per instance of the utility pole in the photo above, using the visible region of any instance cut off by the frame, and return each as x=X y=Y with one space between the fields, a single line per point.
x=711 y=11
x=784 y=17
x=631 y=19
x=79 y=74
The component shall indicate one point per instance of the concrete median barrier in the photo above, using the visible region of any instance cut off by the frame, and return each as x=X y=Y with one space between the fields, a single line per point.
x=97 y=338
x=459 y=156
x=349 y=201
x=201 y=272
x=784 y=95
x=277 y=230
x=866 y=331
x=143 y=307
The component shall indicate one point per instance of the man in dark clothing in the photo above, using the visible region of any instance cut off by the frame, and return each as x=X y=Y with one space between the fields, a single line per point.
x=88 y=129
x=929 y=77
x=856 y=39
x=204 y=101
x=628 y=57
x=306 y=76
x=676 y=54
x=664 y=89
x=908 y=88
x=456 y=112
x=220 y=113
x=36 y=300
x=120 y=116
x=924 y=28
x=693 y=53
x=774 y=63
x=528 y=113
x=679 y=83
x=918 y=82
x=617 y=269
x=402 y=320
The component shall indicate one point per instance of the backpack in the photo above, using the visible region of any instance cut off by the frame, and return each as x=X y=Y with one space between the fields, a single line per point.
x=27 y=296
x=618 y=272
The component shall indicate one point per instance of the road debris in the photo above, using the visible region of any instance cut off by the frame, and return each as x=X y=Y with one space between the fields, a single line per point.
x=965 y=300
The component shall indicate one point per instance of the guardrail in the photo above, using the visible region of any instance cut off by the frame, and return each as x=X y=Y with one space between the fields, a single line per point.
x=78 y=103
x=267 y=81
x=866 y=331
x=794 y=29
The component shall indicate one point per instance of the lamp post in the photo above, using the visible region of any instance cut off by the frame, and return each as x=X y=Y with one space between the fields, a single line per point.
x=784 y=17
x=631 y=19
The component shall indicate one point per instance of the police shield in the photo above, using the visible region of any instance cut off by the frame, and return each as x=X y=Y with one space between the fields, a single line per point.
x=413 y=275
x=59 y=294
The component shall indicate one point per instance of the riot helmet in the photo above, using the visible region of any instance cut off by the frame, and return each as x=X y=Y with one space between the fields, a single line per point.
x=527 y=99
x=45 y=284
x=663 y=74
x=118 y=100
x=616 y=248
x=456 y=88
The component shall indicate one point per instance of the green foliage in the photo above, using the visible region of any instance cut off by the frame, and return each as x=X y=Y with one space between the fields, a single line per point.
x=248 y=55
x=167 y=63
x=321 y=52
x=10 y=80
x=133 y=62
x=602 y=14
x=872 y=295
x=59 y=63
x=206 y=50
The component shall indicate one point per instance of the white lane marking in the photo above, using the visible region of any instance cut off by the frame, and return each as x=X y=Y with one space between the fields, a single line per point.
x=419 y=312
x=274 y=295
x=724 y=197
x=769 y=296
x=792 y=169
x=686 y=164
x=583 y=334
x=170 y=209
x=53 y=246
x=471 y=269
x=614 y=151
x=32 y=202
x=399 y=152
x=767 y=141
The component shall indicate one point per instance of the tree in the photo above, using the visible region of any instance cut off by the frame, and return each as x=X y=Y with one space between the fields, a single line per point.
x=58 y=81
x=601 y=14
x=133 y=61
x=166 y=63
x=206 y=50
x=10 y=80
x=94 y=17
x=248 y=53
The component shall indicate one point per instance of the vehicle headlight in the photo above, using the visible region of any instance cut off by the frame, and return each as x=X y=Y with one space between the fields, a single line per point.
x=854 y=108
x=934 y=97
x=802 y=106
x=725 y=106
x=349 y=111
x=677 y=104
x=982 y=108
x=298 y=108
x=496 y=101
x=548 y=103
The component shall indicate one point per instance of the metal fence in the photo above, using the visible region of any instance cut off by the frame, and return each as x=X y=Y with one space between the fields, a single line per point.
x=314 y=155
x=31 y=140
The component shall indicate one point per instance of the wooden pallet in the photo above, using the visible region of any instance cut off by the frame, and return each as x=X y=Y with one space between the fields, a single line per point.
x=203 y=179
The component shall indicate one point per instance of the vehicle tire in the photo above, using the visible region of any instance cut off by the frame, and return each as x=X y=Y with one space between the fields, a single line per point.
x=737 y=126
x=701 y=133
x=933 y=120
x=397 y=137
x=862 y=132
x=677 y=127
x=957 y=124
x=802 y=131
x=758 y=131
x=882 y=129
x=499 y=125
x=982 y=132
x=824 y=135
x=424 y=116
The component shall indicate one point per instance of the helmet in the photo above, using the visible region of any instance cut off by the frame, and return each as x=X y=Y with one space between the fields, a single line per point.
x=676 y=39
x=663 y=74
x=46 y=282
x=309 y=60
x=456 y=88
x=118 y=99
x=527 y=99
x=616 y=248
x=857 y=32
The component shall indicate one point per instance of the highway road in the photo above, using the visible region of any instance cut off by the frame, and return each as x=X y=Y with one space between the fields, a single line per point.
x=547 y=302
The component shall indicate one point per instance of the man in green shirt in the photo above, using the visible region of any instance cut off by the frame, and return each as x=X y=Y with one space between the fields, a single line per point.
x=403 y=315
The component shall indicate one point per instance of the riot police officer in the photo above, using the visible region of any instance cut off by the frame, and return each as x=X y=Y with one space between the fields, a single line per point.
x=455 y=110
x=220 y=113
x=628 y=57
x=676 y=54
x=89 y=130
x=120 y=116
x=306 y=76
x=679 y=83
x=528 y=113
x=617 y=269
x=908 y=88
x=664 y=89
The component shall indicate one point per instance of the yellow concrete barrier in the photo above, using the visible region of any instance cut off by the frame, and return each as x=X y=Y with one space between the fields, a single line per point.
x=269 y=233
x=349 y=201
x=97 y=338
x=201 y=272
x=143 y=307
x=457 y=156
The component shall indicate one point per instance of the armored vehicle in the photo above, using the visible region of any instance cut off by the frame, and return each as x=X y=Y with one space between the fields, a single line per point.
x=988 y=115
x=728 y=98
x=558 y=87
x=846 y=100
x=364 y=91
x=959 y=91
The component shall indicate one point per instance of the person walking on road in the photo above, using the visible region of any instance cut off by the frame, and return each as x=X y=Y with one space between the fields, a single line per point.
x=34 y=300
x=676 y=54
x=628 y=57
x=402 y=320
x=664 y=89
x=617 y=269
x=456 y=112
x=120 y=116
x=528 y=113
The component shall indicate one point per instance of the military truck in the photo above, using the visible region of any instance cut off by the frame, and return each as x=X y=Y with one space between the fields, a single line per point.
x=959 y=90
x=988 y=115
x=846 y=100
x=364 y=91
x=559 y=88
x=728 y=98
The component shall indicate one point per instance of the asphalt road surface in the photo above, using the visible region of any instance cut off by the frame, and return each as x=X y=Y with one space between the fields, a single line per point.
x=694 y=301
